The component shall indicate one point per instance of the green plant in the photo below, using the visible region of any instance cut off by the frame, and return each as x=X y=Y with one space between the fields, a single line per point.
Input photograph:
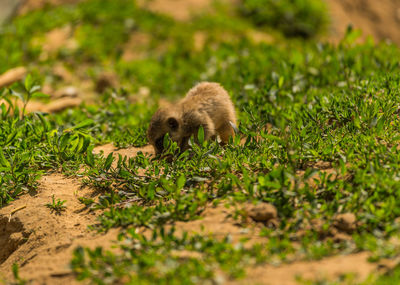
x=26 y=92
x=295 y=18
x=18 y=279
x=56 y=205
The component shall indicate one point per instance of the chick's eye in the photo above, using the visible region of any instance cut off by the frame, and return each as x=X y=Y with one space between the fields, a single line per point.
x=160 y=144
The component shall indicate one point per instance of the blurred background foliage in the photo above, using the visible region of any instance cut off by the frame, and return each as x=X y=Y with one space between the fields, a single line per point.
x=294 y=18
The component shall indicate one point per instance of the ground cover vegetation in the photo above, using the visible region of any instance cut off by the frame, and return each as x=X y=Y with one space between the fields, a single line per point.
x=304 y=108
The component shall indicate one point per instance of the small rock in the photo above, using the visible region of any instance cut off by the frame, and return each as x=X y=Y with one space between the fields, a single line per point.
x=105 y=80
x=62 y=72
x=200 y=38
x=61 y=104
x=56 y=39
x=12 y=75
x=262 y=212
x=345 y=222
x=69 y=92
x=143 y=92
x=341 y=237
x=47 y=89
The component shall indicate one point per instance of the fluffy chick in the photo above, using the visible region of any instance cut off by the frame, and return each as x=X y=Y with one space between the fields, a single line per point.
x=207 y=104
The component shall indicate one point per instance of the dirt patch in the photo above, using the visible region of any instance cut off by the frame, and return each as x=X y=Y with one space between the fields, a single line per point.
x=323 y=169
x=136 y=47
x=64 y=82
x=129 y=152
x=346 y=222
x=218 y=221
x=326 y=269
x=12 y=75
x=42 y=242
x=262 y=212
x=70 y=92
x=54 y=106
x=12 y=235
x=381 y=19
x=55 y=40
x=29 y=5
x=181 y=10
x=258 y=37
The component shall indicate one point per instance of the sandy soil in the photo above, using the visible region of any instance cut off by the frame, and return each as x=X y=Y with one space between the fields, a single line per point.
x=41 y=241
x=28 y=5
x=129 y=152
x=381 y=19
x=326 y=269
x=181 y=10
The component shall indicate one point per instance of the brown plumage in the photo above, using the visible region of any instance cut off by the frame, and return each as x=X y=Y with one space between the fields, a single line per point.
x=207 y=104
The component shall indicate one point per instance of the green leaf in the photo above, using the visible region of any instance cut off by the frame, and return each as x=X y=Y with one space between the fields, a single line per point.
x=274 y=138
x=89 y=159
x=109 y=161
x=4 y=110
x=200 y=135
x=166 y=141
x=3 y=160
x=40 y=95
x=18 y=95
x=199 y=179
x=272 y=184
x=11 y=137
x=357 y=122
x=80 y=144
x=75 y=144
x=84 y=124
x=120 y=159
x=180 y=182
x=65 y=139
x=15 y=271
x=86 y=143
x=281 y=80
x=28 y=82
x=44 y=121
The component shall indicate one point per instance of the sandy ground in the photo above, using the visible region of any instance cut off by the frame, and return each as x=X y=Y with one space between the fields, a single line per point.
x=380 y=19
x=42 y=242
x=28 y=5
x=326 y=269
